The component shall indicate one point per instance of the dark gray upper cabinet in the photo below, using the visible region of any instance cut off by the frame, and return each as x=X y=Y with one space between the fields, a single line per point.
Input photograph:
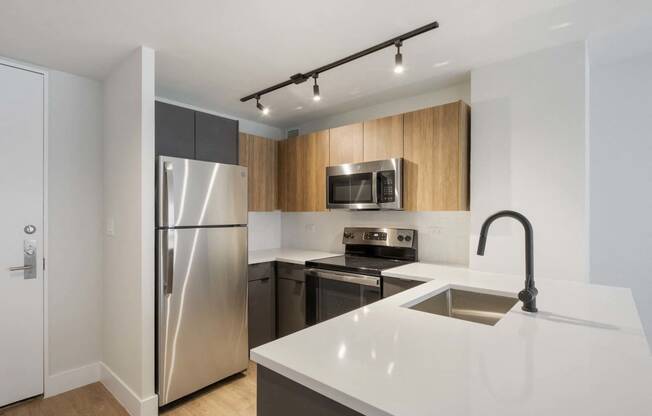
x=216 y=139
x=175 y=131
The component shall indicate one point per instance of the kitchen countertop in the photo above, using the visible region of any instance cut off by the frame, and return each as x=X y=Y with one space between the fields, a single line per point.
x=287 y=255
x=584 y=353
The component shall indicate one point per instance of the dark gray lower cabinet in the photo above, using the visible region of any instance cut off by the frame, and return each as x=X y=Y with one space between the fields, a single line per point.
x=392 y=286
x=280 y=396
x=261 y=304
x=291 y=297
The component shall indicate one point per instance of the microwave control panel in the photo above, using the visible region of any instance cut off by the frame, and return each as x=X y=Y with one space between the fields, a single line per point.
x=386 y=186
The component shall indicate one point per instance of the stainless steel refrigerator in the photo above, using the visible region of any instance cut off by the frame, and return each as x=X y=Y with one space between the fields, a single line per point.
x=201 y=238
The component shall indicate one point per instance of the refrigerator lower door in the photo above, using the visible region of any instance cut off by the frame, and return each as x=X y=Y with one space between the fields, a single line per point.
x=202 y=308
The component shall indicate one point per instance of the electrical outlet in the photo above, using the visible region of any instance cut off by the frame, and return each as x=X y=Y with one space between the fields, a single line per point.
x=110 y=227
x=434 y=230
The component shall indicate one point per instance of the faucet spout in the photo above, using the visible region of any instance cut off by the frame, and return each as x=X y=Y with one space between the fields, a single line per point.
x=529 y=294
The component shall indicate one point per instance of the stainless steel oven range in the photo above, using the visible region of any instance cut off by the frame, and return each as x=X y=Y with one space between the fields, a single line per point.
x=340 y=284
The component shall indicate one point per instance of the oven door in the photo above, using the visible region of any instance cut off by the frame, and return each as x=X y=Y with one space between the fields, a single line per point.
x=338 y=293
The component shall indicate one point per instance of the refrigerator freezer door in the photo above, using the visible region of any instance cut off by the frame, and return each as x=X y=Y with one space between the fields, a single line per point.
x=202 y=314
x=194 y=193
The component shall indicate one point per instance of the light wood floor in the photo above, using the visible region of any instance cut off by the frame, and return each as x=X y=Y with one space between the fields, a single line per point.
x=235 y=396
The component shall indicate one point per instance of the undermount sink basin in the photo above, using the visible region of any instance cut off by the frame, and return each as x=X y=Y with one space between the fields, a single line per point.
x=477 y=307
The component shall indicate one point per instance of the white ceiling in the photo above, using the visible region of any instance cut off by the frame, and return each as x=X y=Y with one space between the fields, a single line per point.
x=212 y=52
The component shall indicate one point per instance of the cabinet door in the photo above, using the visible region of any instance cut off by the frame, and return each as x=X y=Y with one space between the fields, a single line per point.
x=291 y=298
x=302 y=172
x=383 y=138
x=291 y=306
x=175 y=131
x=216 y=139
x=436 y=158
x=392 y=286
x=346 y=144
x=262 y=162
x=262 y=311
x=312 y=177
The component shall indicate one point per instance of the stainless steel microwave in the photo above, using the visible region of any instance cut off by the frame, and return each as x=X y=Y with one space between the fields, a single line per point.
x=367 y=185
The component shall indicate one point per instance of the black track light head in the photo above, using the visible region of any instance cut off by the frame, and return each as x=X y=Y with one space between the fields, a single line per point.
x=315 y=89
x=261 y=107
x=398 y=59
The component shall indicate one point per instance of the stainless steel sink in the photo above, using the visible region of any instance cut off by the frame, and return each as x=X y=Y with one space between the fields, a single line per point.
x=477 y=307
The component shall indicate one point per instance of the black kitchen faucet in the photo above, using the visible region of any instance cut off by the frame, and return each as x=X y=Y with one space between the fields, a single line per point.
x=528 y=295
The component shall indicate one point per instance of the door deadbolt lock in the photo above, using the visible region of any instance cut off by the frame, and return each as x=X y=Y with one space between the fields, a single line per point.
x=29 y=229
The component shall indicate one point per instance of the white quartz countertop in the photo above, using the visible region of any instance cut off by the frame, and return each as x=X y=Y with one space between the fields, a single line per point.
x=287 y=255
x=584 y=353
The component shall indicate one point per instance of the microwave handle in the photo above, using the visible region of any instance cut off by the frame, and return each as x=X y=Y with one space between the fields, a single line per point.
x=374 y=186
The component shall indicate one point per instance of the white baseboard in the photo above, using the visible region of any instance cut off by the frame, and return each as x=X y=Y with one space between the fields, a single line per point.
x=72 y=379
x=134 y=405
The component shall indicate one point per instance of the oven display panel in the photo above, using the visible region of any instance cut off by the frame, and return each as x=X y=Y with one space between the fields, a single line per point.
x=375 y=236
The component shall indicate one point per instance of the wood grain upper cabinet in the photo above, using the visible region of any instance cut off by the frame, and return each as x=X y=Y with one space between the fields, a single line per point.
x=436 y=169
x=302 y=172
x=260 y=156
x=346 y=144
x=383 y=138
x=216 y=139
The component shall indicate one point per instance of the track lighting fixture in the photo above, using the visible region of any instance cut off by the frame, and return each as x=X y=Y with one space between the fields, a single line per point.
x=315 y=89
x=261 y=107
x=398 y=59
x=300 y=78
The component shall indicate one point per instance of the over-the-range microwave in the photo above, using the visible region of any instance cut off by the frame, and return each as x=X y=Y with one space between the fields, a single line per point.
x=367 y=185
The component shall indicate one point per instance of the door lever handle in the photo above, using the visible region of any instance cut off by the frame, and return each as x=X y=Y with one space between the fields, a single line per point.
x=19 y=268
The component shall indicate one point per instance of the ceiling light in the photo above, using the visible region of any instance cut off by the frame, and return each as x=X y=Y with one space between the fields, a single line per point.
x=315 y=89
x=398 y=59
x=261 y=107
x=561 y=26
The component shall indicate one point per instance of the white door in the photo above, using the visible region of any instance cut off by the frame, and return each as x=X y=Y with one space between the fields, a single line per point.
x=21 y=206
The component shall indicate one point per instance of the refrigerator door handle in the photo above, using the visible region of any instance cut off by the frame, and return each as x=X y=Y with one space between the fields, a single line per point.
x=168 y=196
x=168 y=251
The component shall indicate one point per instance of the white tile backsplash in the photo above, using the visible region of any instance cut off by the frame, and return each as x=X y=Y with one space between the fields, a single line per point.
x=264 y=230
x=443 y=236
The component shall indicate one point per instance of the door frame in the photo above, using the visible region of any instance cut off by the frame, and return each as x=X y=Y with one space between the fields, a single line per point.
x=46 y=98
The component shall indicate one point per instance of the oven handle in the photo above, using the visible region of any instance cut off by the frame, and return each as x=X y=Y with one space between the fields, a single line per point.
x=358 y=279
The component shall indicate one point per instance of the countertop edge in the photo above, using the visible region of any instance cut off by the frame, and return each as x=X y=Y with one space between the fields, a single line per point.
x=319 y=388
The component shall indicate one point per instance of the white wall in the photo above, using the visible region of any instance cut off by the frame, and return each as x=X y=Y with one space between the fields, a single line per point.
x=621 y=173
x=528 y=154
x=443 y=236
x=74 y=260
x=264 y=230
x=460 y=91
x=128 y=284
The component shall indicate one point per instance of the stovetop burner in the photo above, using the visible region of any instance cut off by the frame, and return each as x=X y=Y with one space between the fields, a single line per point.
x=357 y=264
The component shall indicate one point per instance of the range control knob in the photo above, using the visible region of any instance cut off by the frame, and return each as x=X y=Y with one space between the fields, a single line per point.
x=348 y=235
x=408 y=238
x=399 y=238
